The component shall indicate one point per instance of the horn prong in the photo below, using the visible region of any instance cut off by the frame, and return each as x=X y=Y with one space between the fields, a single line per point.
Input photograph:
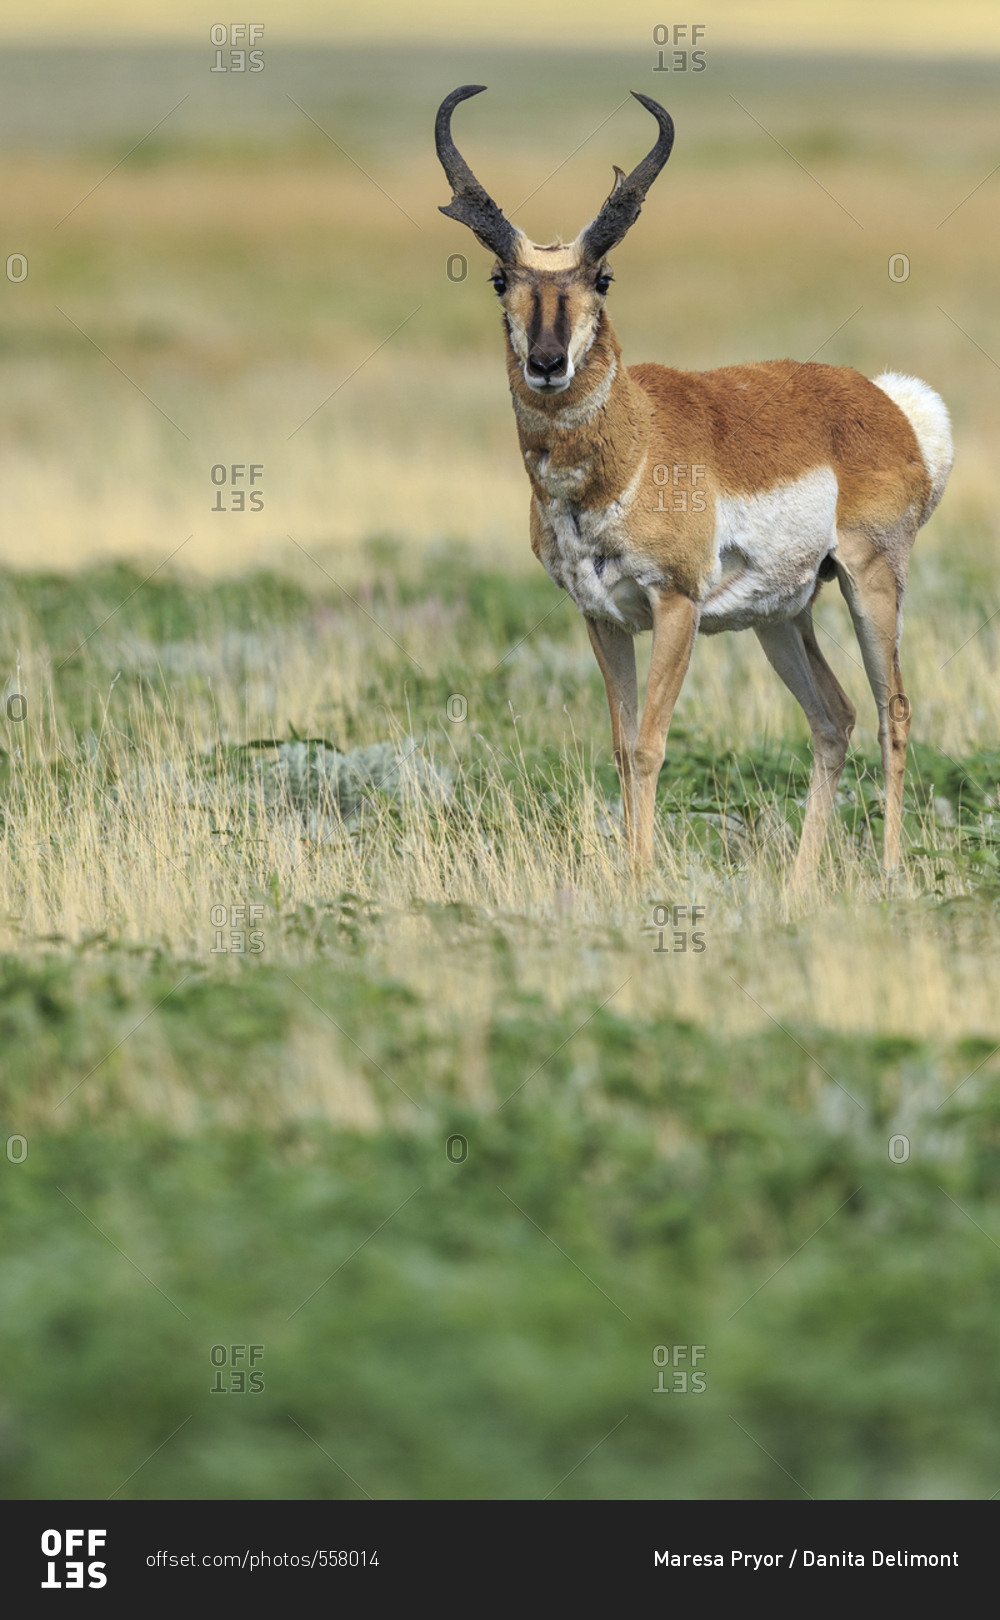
x=623 y=206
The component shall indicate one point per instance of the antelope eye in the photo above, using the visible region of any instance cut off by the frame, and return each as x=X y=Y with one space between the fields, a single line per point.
x=499 y=281
x=603 y=282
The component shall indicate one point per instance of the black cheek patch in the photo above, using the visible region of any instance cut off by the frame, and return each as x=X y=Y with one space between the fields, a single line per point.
x=562 y=330
x=535 y=323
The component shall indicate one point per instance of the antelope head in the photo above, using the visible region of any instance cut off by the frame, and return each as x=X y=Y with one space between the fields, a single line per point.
x=552 y=297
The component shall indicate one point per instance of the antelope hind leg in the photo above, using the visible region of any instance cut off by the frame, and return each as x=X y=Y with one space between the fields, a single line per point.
x=792 y=650
x=873 y=580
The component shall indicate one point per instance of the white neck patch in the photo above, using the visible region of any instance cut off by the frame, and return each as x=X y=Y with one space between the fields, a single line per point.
x=571 y=416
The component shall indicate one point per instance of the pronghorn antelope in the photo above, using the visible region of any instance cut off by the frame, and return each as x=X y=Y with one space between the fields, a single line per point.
x=682 y=501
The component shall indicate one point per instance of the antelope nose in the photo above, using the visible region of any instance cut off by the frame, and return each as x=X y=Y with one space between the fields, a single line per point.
x=546 y=365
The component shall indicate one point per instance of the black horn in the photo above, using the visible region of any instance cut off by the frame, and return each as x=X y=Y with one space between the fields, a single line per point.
x=628 y=193
x=470 y=204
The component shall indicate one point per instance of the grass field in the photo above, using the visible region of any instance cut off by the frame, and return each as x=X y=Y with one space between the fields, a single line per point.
x=330 y=1019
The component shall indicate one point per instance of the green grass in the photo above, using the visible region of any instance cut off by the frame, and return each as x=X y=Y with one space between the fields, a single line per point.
x=450 y=1348
x=254 y=1149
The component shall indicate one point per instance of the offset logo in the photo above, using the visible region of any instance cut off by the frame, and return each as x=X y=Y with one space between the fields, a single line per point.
x=64 y=1568
x=238 y=481
x=236 y=1380
x=237 y=35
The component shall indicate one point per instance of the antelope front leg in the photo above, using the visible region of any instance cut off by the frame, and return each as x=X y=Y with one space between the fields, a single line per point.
x=614 y=650
x=675 y=625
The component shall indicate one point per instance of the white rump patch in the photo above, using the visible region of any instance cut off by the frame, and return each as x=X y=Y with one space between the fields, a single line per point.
x=929 y=419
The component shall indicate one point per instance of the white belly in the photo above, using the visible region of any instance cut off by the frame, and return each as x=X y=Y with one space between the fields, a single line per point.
x=768 y=550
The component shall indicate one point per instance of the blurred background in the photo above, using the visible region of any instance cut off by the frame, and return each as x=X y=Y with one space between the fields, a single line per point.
x=210 y=261
x=239 y=243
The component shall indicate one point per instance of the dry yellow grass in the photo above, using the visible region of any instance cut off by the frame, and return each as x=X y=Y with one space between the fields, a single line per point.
x=239 y=298
x=118 y=843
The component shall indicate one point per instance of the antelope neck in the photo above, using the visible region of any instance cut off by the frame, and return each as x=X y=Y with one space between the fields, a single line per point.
x=597 y=429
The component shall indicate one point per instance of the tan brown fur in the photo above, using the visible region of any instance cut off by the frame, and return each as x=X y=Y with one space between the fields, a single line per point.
x=677 y=501
x=752 y=426
x=772 y=420
x=756 y=424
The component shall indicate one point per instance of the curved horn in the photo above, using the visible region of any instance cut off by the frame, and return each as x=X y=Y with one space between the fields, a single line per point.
x=628 y=193
x=470 y=204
